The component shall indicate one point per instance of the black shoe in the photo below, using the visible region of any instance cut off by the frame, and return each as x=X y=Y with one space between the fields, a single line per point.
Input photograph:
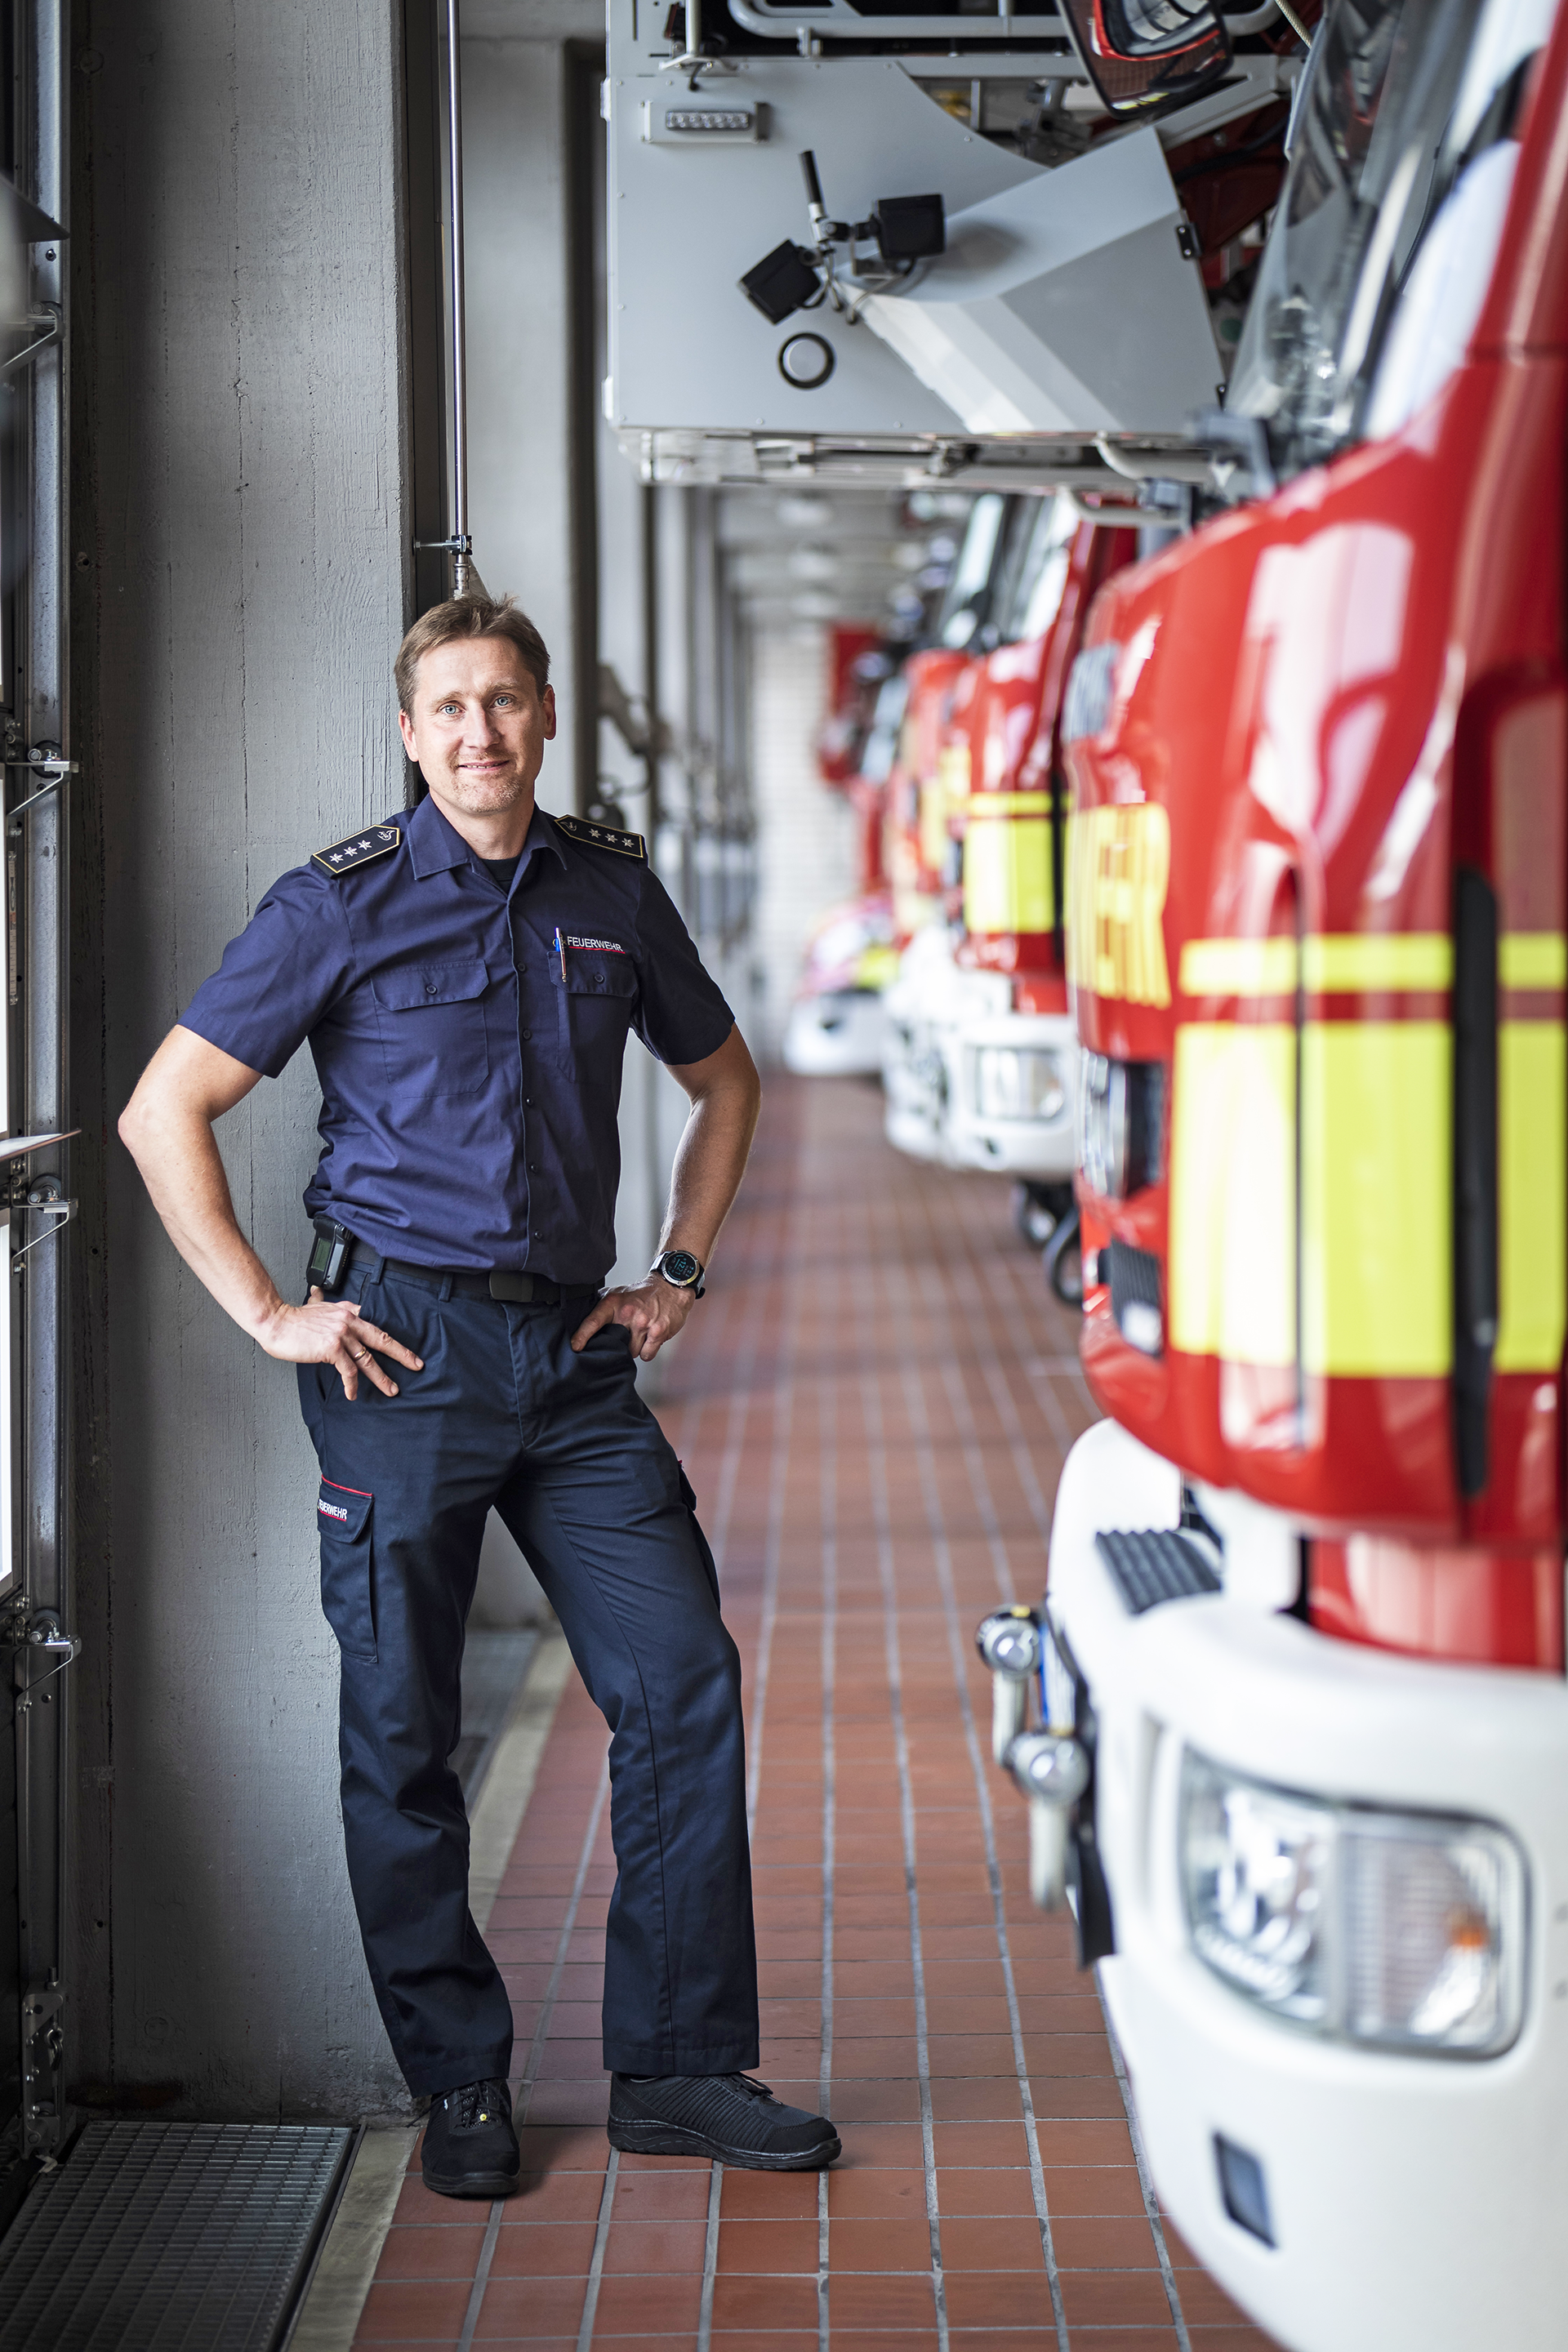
x=725 y=2116
x=470 y=2148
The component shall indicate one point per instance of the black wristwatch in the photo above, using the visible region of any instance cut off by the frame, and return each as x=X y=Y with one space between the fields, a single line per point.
x=680 y=1269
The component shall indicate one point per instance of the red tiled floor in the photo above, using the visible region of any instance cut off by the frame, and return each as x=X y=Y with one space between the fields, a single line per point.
x=875 y=1452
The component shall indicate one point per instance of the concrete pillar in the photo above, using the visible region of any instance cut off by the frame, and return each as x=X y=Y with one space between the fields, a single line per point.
x=242 y=558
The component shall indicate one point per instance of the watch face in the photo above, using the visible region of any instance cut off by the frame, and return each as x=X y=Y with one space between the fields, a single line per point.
x=680 y=1267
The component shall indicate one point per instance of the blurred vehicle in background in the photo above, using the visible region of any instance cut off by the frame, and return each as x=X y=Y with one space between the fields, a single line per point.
x=922 y=857
x=836 y=1024
x=859 y=663
x=982 y=1054
x=1010 y=1048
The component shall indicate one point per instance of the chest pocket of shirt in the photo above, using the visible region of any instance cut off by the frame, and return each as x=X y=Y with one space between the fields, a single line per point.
x=433 y=1028
x=595 y=1005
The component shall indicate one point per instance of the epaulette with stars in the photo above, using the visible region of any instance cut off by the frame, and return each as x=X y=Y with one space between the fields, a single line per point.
x=376 y=841
x=602 y=836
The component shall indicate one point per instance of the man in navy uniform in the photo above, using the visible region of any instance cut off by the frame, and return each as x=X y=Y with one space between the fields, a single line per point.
x=466 y=975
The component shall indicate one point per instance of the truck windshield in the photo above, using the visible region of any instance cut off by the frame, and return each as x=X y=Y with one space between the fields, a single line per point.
x=1367 y=167
x=967 y=604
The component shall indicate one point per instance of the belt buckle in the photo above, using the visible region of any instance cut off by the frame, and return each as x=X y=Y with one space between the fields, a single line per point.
x=516 y=1289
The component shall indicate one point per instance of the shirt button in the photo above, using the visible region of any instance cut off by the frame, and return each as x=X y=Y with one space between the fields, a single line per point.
x=526 y=1036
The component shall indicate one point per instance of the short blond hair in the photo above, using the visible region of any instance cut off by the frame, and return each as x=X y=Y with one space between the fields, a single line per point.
x=468 y=617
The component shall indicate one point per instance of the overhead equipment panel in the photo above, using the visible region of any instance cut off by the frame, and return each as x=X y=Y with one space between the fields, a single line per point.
x=910 y=236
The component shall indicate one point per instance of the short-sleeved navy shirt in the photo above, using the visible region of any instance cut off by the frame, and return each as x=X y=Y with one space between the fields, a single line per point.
x=470 y=1066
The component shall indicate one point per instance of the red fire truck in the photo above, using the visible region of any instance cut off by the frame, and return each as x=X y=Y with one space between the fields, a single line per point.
x=983 y=1058
x=1303 y=1745
x=1009 y=1049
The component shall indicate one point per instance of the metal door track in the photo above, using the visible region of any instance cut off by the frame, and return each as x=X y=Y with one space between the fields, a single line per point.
x=153 y=2236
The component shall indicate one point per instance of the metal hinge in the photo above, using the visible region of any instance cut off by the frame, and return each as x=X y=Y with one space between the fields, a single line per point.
x=46 y=317
x=45 y=760
x=27 y=1631
x=44 y=1194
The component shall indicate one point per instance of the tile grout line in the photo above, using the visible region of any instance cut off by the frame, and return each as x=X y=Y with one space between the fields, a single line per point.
x=955 y=1645
x=1009 y=1307
x=685 y=1440
x=709 y=2258
x=778 y=1497
x=760 y=1275
x=783 y=1397
x=535 y=2055
x=1145 y=2182
x=963 y=1414
x=877 y=1458
x=1003 y=1401
x=829 y=1496
x=601 y=2240
x=974 y=1463
x=481 y=2275
x=564 y=1944
x=1071 y=1367
x=921 y=1429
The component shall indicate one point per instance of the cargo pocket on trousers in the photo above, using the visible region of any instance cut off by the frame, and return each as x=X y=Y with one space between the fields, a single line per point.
x=348 y=1596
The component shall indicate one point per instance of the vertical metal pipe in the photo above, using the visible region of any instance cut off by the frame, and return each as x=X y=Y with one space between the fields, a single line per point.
x=650 y=658
x=461 y=564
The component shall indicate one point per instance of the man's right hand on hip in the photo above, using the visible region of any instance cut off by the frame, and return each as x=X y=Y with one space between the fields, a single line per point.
x=332 y=1331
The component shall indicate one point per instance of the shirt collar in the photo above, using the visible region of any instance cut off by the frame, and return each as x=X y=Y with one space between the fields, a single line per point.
x=435 y=846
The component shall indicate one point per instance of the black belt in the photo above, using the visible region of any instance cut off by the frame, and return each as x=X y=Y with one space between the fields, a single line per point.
x=514 y=1289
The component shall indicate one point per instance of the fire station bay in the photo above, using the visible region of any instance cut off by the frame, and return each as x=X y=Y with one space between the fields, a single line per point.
x=784 y=1146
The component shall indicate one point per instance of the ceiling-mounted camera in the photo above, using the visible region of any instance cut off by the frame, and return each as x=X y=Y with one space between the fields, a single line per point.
x=885 y=253
x=784 y=281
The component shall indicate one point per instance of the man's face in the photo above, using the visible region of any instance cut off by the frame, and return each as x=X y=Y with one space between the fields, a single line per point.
x=480 y=725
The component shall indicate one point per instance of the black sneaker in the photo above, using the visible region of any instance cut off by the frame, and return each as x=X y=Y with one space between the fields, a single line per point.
x=725 y=2116
x=470 y=2148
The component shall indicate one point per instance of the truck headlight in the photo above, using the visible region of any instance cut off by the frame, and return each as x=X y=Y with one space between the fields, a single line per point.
x=1402 y=1930
x=1018 y=1082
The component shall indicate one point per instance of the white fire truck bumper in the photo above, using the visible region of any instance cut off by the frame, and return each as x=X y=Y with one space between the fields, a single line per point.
x=1416 y=2202
x=1012 y=1094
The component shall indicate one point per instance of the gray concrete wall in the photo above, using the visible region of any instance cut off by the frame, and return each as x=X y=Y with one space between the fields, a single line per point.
x=241 y=558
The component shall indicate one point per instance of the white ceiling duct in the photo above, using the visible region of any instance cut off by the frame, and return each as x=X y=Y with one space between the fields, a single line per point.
x=1065 y=305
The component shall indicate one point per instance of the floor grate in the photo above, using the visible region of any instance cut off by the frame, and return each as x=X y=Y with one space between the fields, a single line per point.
x=153 y=2236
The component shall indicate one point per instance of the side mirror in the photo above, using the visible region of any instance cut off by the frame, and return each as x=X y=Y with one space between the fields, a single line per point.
x=1145 y=57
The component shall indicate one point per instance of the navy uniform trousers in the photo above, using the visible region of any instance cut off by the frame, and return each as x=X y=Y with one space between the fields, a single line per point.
x=504 y=1414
